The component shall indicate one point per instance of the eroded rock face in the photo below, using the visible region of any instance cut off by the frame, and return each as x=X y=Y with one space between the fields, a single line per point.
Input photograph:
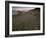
x=26 y=20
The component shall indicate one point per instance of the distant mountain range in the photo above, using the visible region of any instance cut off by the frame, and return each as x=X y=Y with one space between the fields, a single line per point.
x=34 y=12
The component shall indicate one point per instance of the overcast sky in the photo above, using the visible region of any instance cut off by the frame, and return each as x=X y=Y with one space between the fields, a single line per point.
x=22 y=9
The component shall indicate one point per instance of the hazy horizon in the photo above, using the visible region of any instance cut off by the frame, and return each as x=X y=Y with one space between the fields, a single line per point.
x=22 y=9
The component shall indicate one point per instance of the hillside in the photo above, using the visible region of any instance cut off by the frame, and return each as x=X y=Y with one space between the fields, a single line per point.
x=29 y=20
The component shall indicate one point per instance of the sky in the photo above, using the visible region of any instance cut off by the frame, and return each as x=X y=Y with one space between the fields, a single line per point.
x=25 y=9
x=22 y=9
